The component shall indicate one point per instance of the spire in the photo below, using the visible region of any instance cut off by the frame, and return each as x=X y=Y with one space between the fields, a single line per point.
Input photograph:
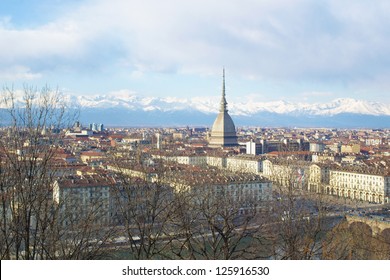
x=223 y=104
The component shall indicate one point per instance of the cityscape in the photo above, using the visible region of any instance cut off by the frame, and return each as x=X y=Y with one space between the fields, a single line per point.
x=196 y=131
x=95 y=192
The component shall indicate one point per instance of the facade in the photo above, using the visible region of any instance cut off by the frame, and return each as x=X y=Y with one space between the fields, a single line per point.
x=317 y=147
x=84 y=198
x=325 y=157
x=223 y=132
x=374 y=141
x=244 y=163
x=253 y=148
x=286 y=172
x=90 y=156
x=219 y=162
x=364 y=186
x=96 y=127
x=350 y=148
x=189 y=159
x=246 y=190
x=318 y=177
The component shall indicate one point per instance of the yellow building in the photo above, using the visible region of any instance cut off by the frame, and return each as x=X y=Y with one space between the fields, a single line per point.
x=350 y=148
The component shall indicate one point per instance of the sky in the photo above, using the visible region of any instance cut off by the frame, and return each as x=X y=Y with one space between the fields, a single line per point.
x=292 y=50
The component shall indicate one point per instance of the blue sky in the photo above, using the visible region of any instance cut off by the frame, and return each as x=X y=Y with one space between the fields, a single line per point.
x=312 y=51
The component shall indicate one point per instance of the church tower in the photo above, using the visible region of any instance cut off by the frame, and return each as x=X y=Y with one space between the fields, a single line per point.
x=223 y=132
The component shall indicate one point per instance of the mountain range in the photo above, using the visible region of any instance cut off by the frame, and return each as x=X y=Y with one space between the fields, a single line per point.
x=128 y=109
x=125 y=108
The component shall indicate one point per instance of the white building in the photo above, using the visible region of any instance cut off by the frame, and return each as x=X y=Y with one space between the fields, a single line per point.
x=244 y=163
x=253 y=148
x=247 y=190
x=286 y=172
x=318 y=177
x=317 y=147
x=364 y=185
x=219 y=162
x=190 y=160
x=374 y=141
x=83 y=198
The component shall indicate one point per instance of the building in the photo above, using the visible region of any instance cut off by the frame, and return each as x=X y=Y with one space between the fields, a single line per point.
x=364 y=185
x=217 y=161
x=84 y=198
x=253 y=148
x=286 y=172
x=351 y=148
x=374 y=141
x=91 y=156
x=325 y=157
x=223 y=132
x=317 y=147
x=318 y=177
x=244 y=163
x=243 y=190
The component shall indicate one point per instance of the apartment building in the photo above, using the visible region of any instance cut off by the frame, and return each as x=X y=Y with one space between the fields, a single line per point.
x=244 y=163
x=364 y=185
x=84 y=198
x=247 y=189
x=358 y=183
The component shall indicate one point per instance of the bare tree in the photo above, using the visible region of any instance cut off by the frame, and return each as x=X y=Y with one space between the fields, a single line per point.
x=299 y=216
x=214 y=223
x=356 y=242
x=31 y=226
x=142 y=207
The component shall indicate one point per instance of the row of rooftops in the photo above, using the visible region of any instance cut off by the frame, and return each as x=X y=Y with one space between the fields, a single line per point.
x=212 y=179
x=96 y=180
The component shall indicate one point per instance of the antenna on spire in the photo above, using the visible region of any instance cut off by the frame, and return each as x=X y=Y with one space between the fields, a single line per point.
x=223 y=100
x=223 y=81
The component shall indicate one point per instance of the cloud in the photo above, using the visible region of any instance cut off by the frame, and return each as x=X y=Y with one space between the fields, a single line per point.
x=302 y=41
x=18 y=73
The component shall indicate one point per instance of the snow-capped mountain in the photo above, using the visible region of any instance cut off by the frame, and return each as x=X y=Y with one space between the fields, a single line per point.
x=131 y=101
x=126 y=108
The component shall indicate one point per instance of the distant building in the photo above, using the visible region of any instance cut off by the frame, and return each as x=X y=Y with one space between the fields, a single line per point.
x=317 y=147
x=219 y=162
x=158 y=141
x=324 y=157
x=374 y=141
x=96 y=127
x=253 y=148
x=283 y=145
x=350 y=148
x=89 y=156
x=178 y=136
x=336 y=147
x=82 y=133
x=223 y=132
